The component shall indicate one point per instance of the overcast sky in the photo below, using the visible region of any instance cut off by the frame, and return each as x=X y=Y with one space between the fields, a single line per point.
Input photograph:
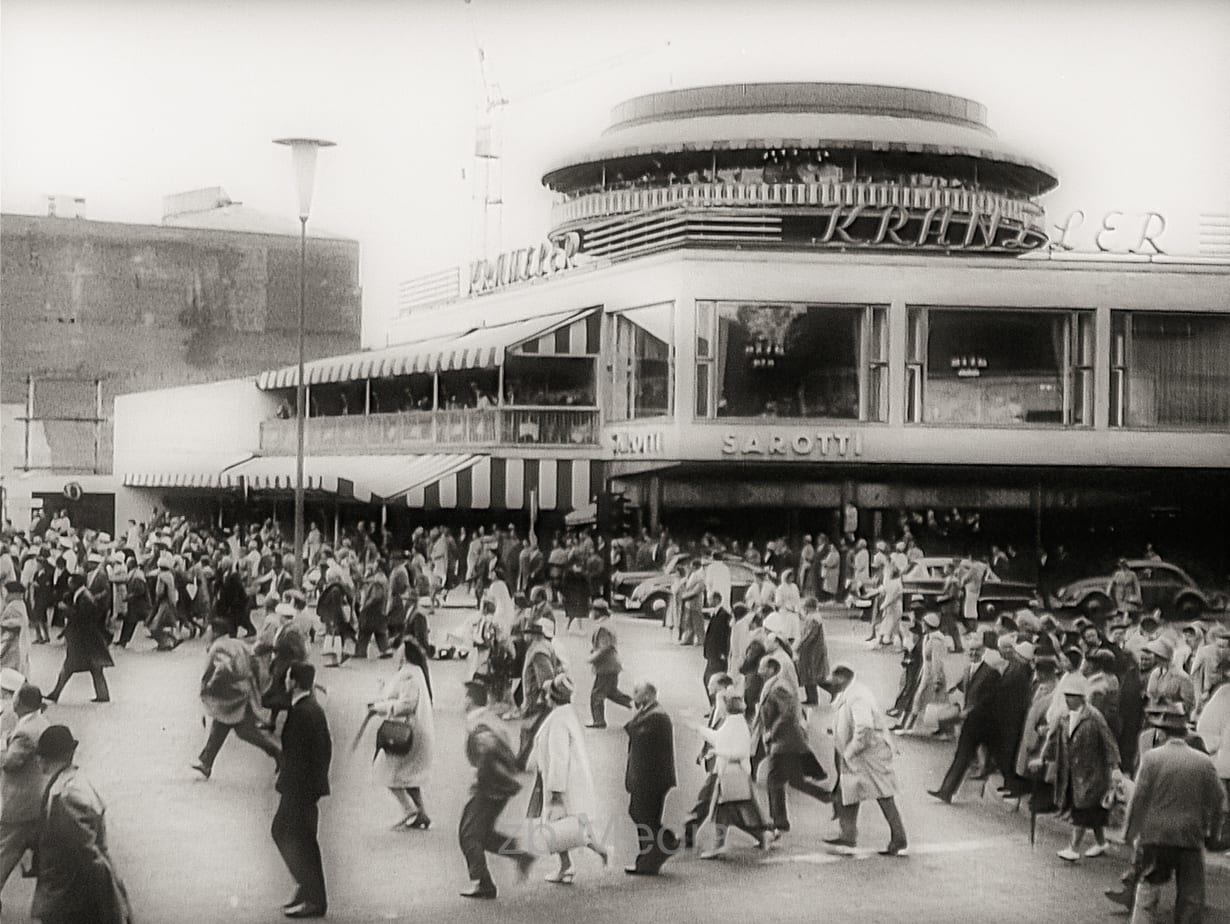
x=124 y=101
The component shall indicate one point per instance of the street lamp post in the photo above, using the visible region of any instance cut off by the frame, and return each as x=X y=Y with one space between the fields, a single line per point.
x=303 y=154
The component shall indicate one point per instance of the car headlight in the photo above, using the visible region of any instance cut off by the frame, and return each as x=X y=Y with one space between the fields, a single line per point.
x=1061 y=593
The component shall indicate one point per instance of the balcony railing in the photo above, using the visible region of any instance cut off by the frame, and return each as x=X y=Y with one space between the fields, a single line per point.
x=469 y=428
x=727 y=195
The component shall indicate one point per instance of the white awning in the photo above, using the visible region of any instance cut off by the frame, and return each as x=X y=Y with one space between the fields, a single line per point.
x=364 y=478
x=480 y=348
x=188 y=470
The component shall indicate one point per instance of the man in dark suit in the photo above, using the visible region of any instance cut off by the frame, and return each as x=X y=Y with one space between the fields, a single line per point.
x=981 y=726
x=302 y=781
x=649 y=777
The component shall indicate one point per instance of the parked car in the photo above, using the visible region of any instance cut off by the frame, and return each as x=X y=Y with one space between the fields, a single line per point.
x=658 y=587
x=1162 y=586
x=997 y=594
x=624 y=582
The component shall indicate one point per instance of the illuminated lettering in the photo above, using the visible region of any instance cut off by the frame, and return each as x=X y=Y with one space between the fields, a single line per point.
x=1146 y=237
x=1106 y=227
x=1070 y=224
x=855 y=214
x=902 y=216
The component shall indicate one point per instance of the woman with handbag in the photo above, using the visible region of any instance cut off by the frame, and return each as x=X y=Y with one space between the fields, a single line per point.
x=405 y=739
x=733 y=801
x=563 y=784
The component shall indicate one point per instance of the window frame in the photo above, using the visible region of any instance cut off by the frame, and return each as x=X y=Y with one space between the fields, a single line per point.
x=864 y=361
x=611 y=360
x=1073 y=363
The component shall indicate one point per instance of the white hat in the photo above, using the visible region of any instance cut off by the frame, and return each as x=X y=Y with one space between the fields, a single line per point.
x=547 y=626
x=11 y=680
x=1073 y=684
x=1025 y=650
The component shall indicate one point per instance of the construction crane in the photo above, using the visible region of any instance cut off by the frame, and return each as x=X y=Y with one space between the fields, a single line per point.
x=489 y=132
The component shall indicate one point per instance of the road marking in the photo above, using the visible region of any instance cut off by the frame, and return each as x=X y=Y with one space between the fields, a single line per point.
x=837 y=854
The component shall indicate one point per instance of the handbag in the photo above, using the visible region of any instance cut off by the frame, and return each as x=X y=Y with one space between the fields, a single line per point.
x=569 y=832
x=395 y=736
x=734 y=784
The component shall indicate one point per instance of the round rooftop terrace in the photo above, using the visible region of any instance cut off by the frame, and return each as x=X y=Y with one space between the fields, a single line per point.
x=920 y=126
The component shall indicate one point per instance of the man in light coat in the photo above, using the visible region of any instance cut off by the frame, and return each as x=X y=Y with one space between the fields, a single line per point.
x=865 y=756
x=230 y=694
x=77 y=880
x=21 y=782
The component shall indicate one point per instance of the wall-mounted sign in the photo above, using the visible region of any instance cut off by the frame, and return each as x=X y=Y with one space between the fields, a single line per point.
x=938 y=228
x=638 y=443
x=819 y=445
x=546 y=259
x=1118 y=232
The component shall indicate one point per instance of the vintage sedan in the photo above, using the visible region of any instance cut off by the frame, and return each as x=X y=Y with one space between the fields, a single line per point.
x=998 y=594
x=1163 y=586
x=658 y=587
x=624 y=582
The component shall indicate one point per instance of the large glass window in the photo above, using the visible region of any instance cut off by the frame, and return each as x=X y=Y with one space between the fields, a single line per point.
x=999 y=367
x=641 y=372
x=1170 y=370
x=791 y=360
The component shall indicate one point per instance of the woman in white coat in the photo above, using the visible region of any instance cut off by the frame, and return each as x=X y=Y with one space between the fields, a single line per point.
x=734 y=803
x=407 y=696
x=564 y=782
x=1214 y=729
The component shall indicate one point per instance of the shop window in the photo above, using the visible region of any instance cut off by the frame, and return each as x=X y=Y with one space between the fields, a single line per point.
x=999 y=367
x=641 y=362
x=1169 y=370
x=791 y=360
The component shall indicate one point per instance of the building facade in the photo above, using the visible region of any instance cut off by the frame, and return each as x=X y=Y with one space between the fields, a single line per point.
x=792 y=308
x=92 y=310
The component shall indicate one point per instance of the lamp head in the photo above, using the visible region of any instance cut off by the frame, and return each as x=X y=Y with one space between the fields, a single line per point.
x=303 y=153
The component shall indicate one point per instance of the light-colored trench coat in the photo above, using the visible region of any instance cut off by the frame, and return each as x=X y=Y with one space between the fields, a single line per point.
x=405 y=696
x=864 y=748
x=559 y=755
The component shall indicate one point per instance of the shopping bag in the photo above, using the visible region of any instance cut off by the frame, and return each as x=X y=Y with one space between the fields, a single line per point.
x=734 y=784
x=569 y=832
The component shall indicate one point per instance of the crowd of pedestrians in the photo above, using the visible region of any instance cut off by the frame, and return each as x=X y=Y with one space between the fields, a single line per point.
x=1106 y=724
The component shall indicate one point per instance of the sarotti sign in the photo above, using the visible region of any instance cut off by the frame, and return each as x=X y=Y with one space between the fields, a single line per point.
x=546 y=259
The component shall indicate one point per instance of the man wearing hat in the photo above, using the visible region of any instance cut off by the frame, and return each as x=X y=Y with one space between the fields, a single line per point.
x=21 y=781
x=77 y=880
x=604 y=658
x=495 y=782
x=85 y=649
x=1178 y=803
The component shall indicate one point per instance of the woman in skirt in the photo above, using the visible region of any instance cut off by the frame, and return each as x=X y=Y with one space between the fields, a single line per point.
x=1086 y=762
x=734 y=803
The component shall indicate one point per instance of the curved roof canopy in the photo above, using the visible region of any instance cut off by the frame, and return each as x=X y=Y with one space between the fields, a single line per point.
x=855 y=117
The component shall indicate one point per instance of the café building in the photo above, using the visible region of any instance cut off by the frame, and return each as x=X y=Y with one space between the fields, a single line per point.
x=772 y=308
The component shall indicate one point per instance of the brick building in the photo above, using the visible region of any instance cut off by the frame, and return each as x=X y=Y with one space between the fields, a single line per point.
x=211 y=293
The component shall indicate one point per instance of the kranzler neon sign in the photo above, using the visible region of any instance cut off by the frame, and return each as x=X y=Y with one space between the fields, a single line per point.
x=546 y=259
x=937 y=228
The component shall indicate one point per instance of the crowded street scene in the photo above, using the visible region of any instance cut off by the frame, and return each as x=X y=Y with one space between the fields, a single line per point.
x=674 y=474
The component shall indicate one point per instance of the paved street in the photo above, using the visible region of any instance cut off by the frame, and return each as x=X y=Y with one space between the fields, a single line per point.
x=200 y=851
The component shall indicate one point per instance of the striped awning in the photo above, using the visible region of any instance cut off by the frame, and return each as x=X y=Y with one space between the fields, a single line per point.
x=198 y=470
x=480 y=348
x=363 y=478
x=432 y=481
